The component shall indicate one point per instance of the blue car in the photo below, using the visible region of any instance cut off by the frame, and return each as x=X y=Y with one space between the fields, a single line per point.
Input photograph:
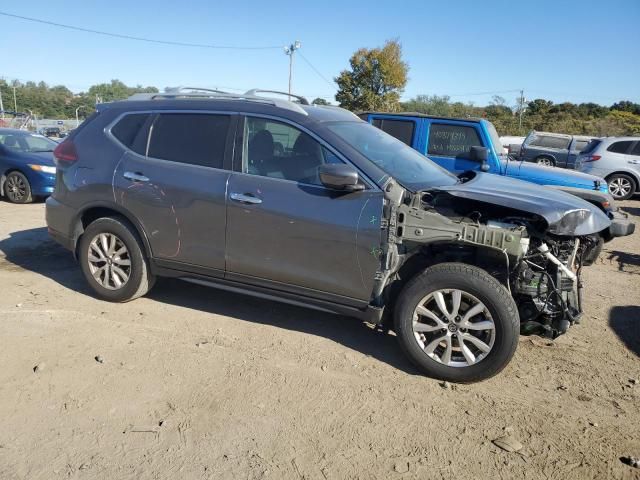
x=27 y=171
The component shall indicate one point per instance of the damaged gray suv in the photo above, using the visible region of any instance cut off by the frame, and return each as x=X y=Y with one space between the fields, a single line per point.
x=311 y=205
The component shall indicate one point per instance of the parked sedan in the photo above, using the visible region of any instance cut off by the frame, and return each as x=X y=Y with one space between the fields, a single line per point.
x=618 y=160
x=27 y=170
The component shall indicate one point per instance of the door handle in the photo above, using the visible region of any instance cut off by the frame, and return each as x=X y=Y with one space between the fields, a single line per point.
x=245 y=198
x=633 y=162
x=135 y=177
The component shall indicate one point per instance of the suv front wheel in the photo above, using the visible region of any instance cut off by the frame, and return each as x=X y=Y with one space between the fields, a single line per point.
x=112 y=260
x=456 y=322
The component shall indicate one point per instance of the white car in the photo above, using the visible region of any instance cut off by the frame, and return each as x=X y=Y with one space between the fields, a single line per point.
x=511 y=145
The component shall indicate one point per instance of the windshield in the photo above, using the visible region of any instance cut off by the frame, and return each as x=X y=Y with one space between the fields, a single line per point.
x=26 y=142
x=495 y=138
x=413 y=170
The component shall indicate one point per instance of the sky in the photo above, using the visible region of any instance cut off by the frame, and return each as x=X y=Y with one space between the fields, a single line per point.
x=577 y=51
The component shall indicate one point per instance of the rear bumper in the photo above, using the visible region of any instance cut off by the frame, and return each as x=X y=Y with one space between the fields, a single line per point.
x=59 y=219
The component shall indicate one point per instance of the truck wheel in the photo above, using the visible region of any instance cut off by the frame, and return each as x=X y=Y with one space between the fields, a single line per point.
x=112 y=260
x=545 y=162
x=621 y=186
x=456 y=322
x=17 y=188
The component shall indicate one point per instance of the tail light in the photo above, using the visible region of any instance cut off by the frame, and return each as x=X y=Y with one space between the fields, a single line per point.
x=591 y=158
x=65 y=153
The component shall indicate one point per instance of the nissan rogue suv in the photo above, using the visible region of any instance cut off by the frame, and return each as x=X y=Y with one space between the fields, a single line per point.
x=310 y=205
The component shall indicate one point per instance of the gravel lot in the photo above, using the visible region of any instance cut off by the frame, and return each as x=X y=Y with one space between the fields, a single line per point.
x=191 y=382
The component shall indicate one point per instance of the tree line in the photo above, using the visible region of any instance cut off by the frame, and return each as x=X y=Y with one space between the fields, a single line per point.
x=375 y=80
x=58 y=101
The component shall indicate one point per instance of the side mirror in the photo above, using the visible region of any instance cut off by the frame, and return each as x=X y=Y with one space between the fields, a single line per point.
x=480 y=155
x=339 y=177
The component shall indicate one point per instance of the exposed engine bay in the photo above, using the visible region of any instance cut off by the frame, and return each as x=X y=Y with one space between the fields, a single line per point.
x=541 y=269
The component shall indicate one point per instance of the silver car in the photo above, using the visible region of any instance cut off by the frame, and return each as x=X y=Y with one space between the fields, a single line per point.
x=618 y=160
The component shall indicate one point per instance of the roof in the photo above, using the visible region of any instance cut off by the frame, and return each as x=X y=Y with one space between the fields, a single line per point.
x=421 y=115
x=319 y=113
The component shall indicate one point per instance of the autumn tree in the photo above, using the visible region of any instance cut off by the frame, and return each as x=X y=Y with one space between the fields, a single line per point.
x=376 y=79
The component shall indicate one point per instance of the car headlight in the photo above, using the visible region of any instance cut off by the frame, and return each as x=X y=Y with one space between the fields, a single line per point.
x=572 y=219
x=43 y=168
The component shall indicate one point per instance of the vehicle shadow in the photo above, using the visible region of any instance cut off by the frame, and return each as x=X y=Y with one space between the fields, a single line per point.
x=624 y=259
x=625 y=322
x=631 y=210
x=32 y=250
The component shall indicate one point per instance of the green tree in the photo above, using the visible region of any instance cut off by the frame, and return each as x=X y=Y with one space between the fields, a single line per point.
x=320 y=101
x=376 y=79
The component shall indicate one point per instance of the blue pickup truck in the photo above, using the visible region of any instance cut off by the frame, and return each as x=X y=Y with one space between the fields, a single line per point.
x=460 y=145
x=448 y=141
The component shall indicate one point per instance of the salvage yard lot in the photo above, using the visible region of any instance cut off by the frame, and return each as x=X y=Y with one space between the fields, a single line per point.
x=198 y=383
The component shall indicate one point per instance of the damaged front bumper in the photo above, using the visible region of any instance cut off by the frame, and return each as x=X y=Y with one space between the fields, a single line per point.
x=621 y=226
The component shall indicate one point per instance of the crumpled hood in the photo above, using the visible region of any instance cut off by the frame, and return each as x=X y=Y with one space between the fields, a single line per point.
x=551 y=175
x=551 y=204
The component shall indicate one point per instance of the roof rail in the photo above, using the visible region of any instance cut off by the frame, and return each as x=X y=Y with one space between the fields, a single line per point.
x=206 y=93
x=300 y=98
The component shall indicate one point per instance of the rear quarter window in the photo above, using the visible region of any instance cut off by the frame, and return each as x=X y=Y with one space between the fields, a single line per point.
x=619 y=147
x=401 y=129
x=132 y=130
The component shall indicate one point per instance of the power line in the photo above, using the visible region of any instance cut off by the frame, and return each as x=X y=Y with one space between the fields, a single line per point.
x=139 y=39
x=315 y=69
x=483 y=93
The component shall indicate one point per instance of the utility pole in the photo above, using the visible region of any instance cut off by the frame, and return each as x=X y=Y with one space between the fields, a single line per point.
x=77 y=119
x=521 y=101
x=15 y=103
x=1 y=106
x=290 y=50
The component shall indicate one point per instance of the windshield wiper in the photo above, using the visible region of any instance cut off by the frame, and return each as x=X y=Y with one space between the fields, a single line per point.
x=40 y=151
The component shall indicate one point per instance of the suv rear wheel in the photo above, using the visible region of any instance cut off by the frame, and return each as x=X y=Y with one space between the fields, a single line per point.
x=112 y=260
x=621 y=186
x=456 y=322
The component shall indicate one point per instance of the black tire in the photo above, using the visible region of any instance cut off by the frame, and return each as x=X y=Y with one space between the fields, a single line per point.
x=140 y=280
x=546 y=161
x=17 y=188
x=485 y=288
x=621 y=179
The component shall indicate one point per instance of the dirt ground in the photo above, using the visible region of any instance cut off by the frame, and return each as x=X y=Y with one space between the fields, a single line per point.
x=196 y=383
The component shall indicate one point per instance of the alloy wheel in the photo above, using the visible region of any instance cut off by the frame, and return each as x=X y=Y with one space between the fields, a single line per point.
x=16 y=188
x=620 y=187
x=454 y=328
x=109 y=261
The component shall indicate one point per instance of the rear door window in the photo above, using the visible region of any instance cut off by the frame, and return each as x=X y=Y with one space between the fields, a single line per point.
x=192 y=138
x=620 y=147
x=132 y=131
x=403 y=130
x=451 y=140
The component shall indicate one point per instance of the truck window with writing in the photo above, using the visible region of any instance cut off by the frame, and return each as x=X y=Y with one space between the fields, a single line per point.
x=452 y=140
